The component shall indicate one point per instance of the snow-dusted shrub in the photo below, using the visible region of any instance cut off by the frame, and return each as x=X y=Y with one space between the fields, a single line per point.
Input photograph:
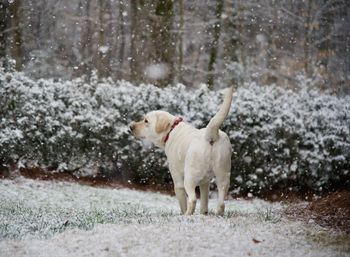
x=280 y=138
x=290 y=139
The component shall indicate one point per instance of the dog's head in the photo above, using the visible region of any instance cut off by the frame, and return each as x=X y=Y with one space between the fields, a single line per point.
x=154 y=127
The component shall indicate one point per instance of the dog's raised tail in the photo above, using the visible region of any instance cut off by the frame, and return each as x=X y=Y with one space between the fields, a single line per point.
x=212 y=129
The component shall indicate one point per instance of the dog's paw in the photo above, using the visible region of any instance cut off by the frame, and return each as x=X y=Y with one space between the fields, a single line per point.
x=220 y=209
x=204 y=212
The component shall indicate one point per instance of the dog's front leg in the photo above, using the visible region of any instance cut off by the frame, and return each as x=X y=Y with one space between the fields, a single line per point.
x=181 y=197
x=190 y=187
x=178 y=179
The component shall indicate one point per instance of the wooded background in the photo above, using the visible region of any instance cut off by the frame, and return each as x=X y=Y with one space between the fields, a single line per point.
x=191 y=42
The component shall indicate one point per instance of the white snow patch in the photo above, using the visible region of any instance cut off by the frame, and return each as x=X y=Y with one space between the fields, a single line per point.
x=103 y=49
x=157 y=71
x=148 y=225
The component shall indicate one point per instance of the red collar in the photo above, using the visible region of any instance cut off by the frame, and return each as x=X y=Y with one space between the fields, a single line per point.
x=176 y=122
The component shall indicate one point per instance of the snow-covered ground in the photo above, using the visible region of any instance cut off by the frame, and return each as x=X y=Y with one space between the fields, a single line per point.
x=45 y=218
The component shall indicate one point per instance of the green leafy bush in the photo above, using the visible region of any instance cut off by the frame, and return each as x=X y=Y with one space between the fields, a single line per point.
x=281 y=138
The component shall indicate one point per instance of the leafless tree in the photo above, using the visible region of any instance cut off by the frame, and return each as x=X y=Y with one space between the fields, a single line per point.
x=216 y=42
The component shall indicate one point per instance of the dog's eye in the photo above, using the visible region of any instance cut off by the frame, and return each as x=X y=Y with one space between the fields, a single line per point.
x=146 y=121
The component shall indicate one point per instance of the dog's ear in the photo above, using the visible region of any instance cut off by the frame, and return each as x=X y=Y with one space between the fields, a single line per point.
x=163 y=123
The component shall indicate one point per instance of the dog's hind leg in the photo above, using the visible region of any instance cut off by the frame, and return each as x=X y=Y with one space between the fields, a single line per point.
x=223 y=185
x=195 y=171
x=204 y=196
x=222 y=172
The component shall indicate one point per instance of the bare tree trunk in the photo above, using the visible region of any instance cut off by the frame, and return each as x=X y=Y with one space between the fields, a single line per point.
x=103 y=65
x=85 y=39
x=134 y=64
x=215 y=43
x=164 y=39
x=271 y=63
x=88 y=53
x=230 y=38
x=4 y=23
x=121 y=51
x=240 y=29
x=307 y=42
x=16 y=46
x=181 y=7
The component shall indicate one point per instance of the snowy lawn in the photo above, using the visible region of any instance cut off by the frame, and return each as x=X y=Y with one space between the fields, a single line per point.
x=42 y=218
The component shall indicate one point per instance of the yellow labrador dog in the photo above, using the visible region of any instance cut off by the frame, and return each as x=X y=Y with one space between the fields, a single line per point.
x=194 y=155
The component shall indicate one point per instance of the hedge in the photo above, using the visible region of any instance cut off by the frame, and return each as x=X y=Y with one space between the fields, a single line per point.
x=287 y=139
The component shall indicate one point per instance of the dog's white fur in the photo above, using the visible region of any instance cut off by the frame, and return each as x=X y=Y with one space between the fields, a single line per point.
x=192 y=159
